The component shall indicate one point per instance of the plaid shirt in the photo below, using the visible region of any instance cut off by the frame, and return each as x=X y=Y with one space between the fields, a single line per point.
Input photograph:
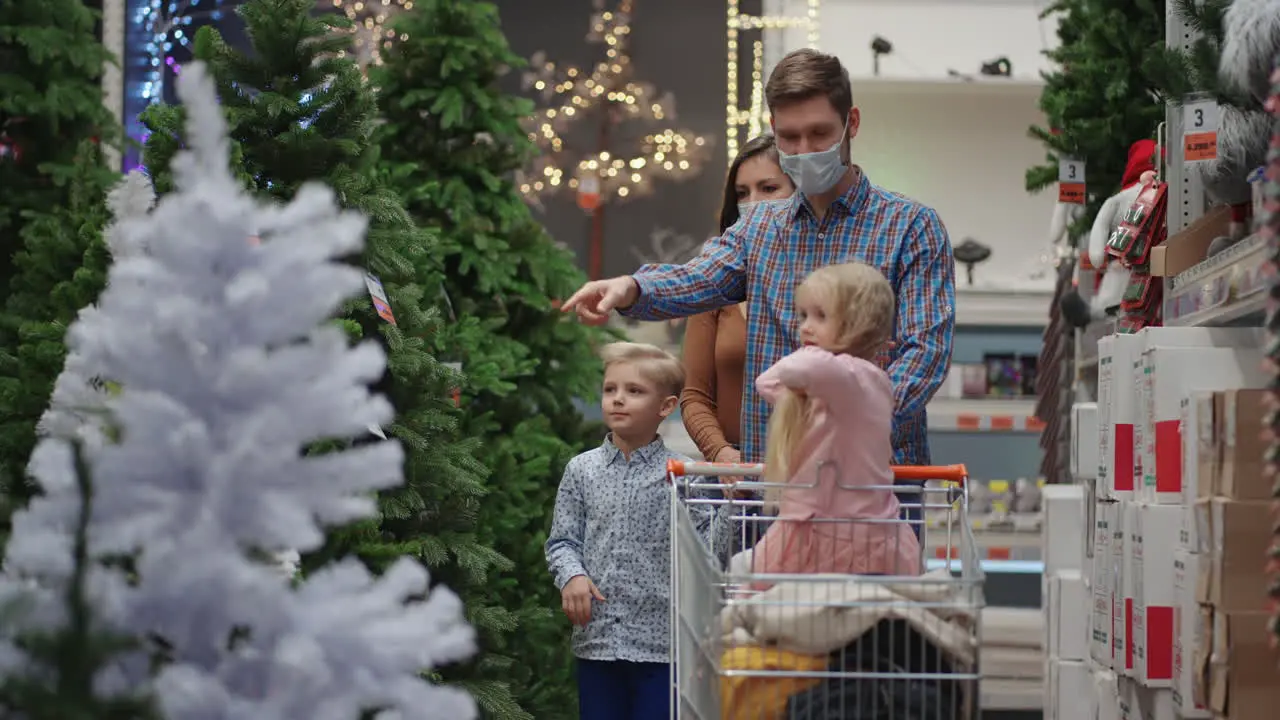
x=766 y=254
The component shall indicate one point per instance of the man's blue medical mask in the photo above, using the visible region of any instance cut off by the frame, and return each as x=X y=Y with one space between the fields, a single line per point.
x=816 y=172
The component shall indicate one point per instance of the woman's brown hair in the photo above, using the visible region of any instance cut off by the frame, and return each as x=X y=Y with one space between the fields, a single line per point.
x=759 y=145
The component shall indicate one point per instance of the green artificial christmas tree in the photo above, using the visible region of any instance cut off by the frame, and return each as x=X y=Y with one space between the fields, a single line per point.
x=451 y=144
x=298 y=111
x=59 y=269
x=50 y=100
x=50 y=109
x=1176 y=74
x=1099 y=101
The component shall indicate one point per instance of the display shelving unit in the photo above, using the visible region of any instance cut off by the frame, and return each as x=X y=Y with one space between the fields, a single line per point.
x=1230 y=289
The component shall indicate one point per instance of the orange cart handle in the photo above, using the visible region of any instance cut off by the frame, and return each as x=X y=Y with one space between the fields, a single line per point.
x=951 y=473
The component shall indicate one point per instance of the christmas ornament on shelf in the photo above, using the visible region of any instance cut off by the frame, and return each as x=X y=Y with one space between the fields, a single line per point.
x=612 y=99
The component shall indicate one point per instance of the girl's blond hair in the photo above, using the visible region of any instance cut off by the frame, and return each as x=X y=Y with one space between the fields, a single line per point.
x=860 y=300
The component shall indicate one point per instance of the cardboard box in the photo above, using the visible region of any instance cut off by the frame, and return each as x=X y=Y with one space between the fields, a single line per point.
x=1106 y=519
x=1189 y=247
x=1156 y=704
x=1084 y=441
x=1068 y=683
x=1116 y=405
x=1106 y=691
x=1242 y=450
x=1106 y=418
x=1203 y=514
x=1199 y=462
x=1062 y=536
x=1068 y=615
x=1242 y=672
x=1199 y=446
x=1200 y=655
x=1155 y=541
x=1128 y=697
x=1241 y=530
x=1117 y=394
x=1167 y=375
x=1122 y=627
x=1187 y=636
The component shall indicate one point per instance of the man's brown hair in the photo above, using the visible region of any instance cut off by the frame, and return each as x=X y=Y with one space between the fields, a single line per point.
x=805 y=74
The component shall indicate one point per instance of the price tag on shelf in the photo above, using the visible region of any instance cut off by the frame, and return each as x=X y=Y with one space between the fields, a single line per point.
x=1200 y=130
x=379 y=295
x=455 y=393
x=1071 y=181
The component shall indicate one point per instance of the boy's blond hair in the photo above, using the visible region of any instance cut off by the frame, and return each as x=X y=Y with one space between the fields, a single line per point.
x=655 y=364
x=863 y=305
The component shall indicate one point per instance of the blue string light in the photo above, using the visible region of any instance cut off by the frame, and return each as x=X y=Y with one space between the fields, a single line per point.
x=156 y=28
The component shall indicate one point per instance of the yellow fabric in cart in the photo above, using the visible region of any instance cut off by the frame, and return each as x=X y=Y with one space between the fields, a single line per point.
x=764 y=698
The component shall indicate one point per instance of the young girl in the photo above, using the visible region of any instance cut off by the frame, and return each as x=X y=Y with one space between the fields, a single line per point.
x=829 y=437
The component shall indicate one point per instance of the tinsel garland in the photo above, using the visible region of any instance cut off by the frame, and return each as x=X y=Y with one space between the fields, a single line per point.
x=1271 y=231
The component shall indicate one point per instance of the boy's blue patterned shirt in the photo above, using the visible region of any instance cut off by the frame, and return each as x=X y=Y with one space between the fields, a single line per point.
x=612 y=523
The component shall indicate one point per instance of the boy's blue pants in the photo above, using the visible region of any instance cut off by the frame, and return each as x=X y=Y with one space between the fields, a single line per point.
x=624 y=690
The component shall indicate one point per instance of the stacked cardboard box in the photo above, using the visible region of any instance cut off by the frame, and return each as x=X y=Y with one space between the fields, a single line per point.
x=1147 y=562
x=1065 y=593
x=1226 y=665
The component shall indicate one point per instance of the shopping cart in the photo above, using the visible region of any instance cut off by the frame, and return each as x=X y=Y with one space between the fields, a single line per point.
x=882 y=642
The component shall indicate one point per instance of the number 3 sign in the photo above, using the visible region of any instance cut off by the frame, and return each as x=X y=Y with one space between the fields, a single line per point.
x=1200 y=130
x=1071 y=181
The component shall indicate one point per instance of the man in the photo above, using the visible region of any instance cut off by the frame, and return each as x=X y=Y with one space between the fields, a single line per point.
x=836 y=216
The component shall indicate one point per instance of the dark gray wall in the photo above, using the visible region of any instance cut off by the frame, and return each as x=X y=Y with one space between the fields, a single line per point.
x=678 y=46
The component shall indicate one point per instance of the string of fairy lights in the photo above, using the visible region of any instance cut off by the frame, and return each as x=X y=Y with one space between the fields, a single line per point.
x=160 y=26
x=572 y=93
x=156 y=28
x=370 y=26
x=755 y=117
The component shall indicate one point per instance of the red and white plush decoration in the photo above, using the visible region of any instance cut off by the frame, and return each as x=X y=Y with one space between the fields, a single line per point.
x=1113 y=277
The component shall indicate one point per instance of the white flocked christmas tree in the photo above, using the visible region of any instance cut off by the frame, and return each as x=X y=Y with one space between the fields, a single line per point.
x=228 y=370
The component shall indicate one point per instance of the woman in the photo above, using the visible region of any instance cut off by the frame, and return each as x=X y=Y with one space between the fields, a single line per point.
x=715 y=342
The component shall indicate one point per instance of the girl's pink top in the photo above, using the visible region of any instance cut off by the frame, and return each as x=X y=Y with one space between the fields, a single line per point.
x=845 y=453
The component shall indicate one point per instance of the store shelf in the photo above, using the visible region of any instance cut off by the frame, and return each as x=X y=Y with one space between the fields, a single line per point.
x=978 y=85
x=1002 y=308
x=1226 y=289
x=984 y=415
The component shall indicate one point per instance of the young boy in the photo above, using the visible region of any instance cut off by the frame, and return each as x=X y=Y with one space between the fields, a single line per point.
x=609 y=548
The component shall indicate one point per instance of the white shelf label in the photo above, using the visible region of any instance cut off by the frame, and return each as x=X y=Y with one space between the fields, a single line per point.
x=1071 y=181
x=1200 y=120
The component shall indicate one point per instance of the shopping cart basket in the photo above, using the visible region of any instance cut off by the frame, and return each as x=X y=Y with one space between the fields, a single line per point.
x=881 y=642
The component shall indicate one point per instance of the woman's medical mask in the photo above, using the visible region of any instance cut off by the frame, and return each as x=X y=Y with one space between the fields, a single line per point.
x=816 y=172
x=745 y=208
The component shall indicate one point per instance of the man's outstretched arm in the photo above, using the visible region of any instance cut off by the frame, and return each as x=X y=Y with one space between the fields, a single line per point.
x=717 y=277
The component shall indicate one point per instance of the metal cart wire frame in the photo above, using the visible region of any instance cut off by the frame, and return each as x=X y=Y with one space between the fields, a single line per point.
x=887 y=669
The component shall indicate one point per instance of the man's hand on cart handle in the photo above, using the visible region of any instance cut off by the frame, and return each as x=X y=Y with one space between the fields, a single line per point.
x=576 y=597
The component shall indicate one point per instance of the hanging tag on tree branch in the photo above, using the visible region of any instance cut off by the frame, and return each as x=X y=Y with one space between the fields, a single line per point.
x=1071 y=181
x=456 y=392
x=379 y=295
x=1200 y=116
